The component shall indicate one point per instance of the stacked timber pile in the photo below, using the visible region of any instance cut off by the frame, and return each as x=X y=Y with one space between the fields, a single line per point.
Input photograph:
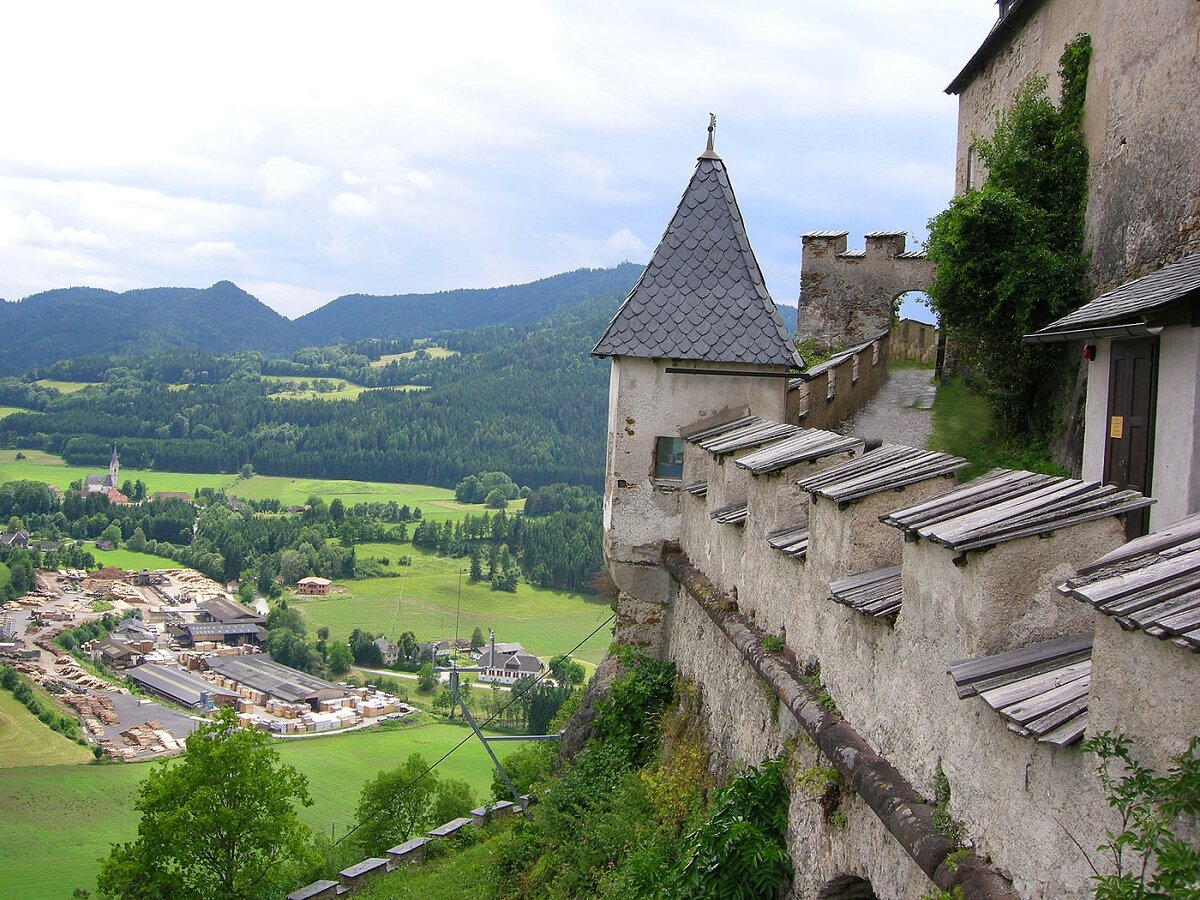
x=93 y=706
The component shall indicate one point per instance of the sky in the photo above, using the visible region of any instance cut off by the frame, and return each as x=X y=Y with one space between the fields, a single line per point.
x=309 y=150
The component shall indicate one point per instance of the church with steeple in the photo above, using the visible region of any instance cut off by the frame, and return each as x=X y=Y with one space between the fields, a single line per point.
x=102 y=484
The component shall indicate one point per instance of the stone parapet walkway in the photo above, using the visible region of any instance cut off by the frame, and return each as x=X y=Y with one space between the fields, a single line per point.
x=900 y=412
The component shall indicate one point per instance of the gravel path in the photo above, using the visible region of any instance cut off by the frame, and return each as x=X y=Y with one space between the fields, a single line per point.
x=900 y=412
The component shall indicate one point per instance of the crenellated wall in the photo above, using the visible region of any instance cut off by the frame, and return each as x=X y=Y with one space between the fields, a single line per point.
x=1024 y=805
x=846 y=296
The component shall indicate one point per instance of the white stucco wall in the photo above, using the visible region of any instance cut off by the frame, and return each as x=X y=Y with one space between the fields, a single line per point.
x=1176 y=483
x=645 y=403
x=1175 y=480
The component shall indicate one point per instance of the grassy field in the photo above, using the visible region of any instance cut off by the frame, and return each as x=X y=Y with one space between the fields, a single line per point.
x=46 y=467
x=346 y=390
x=24 y=741
x=436 y=503
x=9 y=410
x=434 y=353
x=65 y=387
x=424 y=599
x=56 y=822
x=128 y=559
x=962 y=425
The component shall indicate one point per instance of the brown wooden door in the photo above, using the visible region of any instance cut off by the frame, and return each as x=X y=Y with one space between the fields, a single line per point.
x=1129 y=443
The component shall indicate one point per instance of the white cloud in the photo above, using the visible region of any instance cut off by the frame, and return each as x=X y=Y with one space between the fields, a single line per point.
x=628 y=246
x=353 y=206
x=281 y=178
x=457 y=144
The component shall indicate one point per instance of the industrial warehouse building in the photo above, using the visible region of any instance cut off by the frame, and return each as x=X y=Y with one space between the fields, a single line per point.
x=181 y=687
x=266 y=679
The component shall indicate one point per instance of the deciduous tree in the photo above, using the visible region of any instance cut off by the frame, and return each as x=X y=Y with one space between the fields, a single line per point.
x=220 y=824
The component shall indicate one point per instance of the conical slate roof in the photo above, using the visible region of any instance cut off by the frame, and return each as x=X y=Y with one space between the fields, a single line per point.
x=702 y=296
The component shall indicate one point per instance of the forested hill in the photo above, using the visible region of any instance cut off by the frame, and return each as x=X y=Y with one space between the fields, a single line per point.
x=528 y=400
x=361 y=317
x=75 y=322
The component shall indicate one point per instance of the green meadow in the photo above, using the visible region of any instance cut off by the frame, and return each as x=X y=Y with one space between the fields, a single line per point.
x=436 y=503
x=57 y=821
x=65 y=387
x=433 y=352
x=26 y=741
x=48 y=468
x=129 y=559
x=423 y=599
x=346 y=390
x=9 y=410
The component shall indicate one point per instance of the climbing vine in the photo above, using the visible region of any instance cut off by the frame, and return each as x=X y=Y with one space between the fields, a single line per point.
x=1010 y=255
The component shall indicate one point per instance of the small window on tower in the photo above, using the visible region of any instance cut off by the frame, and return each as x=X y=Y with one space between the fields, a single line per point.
x=668 y=457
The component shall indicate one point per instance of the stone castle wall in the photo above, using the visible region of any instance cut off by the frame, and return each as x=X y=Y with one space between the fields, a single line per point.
x=1022 y=805
x=1141 y=122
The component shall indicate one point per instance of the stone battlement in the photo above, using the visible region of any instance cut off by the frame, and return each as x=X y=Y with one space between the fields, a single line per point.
x=961 y=630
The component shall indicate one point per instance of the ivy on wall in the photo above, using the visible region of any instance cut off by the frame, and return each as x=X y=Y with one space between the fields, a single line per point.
x=1010 y=255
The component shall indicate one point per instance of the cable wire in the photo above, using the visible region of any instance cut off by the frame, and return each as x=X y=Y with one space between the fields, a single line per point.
x=446 y=755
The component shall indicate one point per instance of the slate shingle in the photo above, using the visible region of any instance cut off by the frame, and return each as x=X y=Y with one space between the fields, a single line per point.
x=702 y=296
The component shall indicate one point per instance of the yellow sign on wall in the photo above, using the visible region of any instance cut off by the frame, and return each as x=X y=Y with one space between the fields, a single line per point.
x=1116 y=427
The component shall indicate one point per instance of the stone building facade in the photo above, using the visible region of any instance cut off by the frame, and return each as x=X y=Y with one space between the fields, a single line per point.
x=847 y=296
x=1141 y=121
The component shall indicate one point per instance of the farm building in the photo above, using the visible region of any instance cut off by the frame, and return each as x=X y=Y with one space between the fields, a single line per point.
x=181 y=687
x=233 y=633
x=259 y=678
x=318 y=587
x=507 y=662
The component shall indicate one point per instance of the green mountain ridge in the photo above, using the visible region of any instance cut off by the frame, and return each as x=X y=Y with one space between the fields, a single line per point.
x=67 y=323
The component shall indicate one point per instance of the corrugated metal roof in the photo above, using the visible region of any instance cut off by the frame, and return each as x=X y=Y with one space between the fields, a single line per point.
x=177 y=684
x=1152 y=584
x=1040 y=691
x=261 y=673
x=1125 y=305
x=702 y=296
x=1004 y=505
x=891 y=466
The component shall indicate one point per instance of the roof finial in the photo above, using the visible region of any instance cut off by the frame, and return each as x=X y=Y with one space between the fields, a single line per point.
x=709 y=152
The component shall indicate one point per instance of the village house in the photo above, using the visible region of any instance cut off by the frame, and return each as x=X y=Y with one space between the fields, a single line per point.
x=14 y=539
x=388 y=651
x=506 y=662
x=313 y=586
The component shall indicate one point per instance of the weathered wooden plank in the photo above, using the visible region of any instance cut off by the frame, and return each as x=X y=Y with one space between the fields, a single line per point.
x=1159 y=615
x=1101 y=590
x=1181 y=532
x=1045 y=528
x=969 y=670
x=1053 y=719
x=1026 y=710
x=995 y=486
x=710 y=431
x=971 y=688
x=1066 y=734
x=1020 y=691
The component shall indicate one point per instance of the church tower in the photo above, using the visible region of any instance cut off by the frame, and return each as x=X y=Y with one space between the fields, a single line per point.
x=114 y=468
x=698 y=340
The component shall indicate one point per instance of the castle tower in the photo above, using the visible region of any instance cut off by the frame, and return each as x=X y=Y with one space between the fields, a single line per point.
x=114 y=468
x=697 y=340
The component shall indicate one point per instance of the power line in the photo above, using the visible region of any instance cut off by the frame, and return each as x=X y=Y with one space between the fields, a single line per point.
x=448 y=753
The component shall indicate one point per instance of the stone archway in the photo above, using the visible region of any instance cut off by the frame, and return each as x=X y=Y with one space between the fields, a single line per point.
x=846 y=295
x=847 y=887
